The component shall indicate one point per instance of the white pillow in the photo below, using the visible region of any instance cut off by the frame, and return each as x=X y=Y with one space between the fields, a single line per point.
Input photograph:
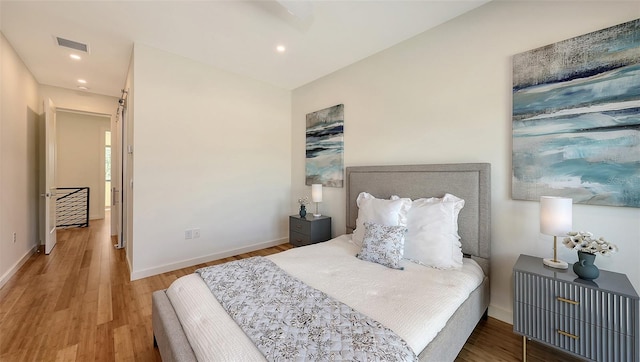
x=379 y=211
x=432 y=232
x=458 y=204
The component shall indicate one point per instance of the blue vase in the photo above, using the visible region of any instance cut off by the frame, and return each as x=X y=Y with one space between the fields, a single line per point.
x=584 y=267
x=303 y=211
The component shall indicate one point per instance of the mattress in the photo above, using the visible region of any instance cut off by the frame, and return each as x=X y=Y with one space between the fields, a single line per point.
x=415 y=302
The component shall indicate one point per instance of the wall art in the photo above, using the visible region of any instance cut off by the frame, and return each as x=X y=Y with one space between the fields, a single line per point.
x=325 y=147
x=576 y=119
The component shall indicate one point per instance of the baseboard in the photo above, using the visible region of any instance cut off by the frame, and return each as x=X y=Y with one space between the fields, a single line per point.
x=204 y=259
x=501 y=314
x=12 y=271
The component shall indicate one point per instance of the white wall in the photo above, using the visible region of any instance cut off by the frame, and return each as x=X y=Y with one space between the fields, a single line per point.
x=19 y=120
x=211 y=151
x=80 y=100
x=80 y=139
x=445 y=96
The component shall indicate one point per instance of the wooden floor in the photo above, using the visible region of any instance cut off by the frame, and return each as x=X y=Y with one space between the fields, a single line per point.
x=78 y=304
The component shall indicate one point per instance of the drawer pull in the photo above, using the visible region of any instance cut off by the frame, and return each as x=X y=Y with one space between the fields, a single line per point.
x=567 y=334
x=560 y=299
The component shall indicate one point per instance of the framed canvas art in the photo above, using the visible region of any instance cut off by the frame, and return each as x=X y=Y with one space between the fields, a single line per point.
x=576 y=119
x=325 y=147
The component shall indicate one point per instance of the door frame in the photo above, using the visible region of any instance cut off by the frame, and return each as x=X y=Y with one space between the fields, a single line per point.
x=119 y=173
x=47 y=229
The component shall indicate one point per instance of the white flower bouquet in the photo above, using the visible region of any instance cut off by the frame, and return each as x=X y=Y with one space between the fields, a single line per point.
x=584 y=241
x=303 y=201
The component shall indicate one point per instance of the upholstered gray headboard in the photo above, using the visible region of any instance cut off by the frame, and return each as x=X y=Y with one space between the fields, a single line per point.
x=469 y=181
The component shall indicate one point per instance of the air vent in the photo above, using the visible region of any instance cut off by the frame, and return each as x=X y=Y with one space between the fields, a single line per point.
x=72 y=44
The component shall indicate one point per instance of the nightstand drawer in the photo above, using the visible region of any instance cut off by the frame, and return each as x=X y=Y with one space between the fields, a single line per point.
x=575 y=336
x=584 y=303
x=300 y=225
x=298 y=239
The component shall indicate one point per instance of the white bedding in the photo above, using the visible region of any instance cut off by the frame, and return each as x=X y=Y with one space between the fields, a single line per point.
x=415 y=302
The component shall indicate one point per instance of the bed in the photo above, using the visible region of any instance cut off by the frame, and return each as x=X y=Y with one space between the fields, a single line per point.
x=470 y=181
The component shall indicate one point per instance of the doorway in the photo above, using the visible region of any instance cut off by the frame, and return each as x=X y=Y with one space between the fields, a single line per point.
x=81 y=153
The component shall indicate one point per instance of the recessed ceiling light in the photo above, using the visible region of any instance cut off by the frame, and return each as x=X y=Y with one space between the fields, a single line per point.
x=83 y=87
x=82 y=81
x=75 y=56
x=281 y=48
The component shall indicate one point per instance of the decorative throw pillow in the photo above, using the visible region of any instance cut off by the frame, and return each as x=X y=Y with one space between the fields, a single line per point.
x=383 y=244
x=380 y=211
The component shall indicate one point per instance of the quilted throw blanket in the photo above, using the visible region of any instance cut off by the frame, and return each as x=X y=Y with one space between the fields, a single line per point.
x=288 y=320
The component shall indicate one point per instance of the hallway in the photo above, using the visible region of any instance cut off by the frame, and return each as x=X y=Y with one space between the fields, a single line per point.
x=78 y=303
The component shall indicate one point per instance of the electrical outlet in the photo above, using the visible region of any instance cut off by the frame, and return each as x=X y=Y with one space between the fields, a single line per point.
x=196 y=233
x=14 y=237
x=188 y=234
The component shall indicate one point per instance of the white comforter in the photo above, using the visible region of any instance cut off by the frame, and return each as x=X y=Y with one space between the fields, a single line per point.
x=415 y=302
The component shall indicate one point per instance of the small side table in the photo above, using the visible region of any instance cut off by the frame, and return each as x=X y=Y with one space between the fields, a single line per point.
x=598 y=320
x=309 y=230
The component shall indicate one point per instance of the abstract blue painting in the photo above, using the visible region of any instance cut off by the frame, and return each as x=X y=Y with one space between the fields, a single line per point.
x=576 y=119
x=325 y=147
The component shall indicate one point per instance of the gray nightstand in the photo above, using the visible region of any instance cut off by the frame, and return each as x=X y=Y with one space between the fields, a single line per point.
x=597 y=320
x=309 y=230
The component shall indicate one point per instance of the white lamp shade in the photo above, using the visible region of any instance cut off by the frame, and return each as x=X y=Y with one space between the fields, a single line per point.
x=556 y=215
x=316 y=192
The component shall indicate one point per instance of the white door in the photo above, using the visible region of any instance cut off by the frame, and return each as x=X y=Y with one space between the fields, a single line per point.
x=116 y=177
x=124 y=175
x=49 y=176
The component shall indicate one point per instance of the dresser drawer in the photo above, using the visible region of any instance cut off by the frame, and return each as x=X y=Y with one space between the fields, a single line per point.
x=298 y=239
x=301 y=226
x=573 y=335
x=584 y=303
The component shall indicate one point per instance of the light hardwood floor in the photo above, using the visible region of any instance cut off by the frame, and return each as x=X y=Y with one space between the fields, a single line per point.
x=78 y=304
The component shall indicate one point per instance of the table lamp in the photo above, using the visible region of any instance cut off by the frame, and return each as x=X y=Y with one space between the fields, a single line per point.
x=555 y=219
x=316 y=196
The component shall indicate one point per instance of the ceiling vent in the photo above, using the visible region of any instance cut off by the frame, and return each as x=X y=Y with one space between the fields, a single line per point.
x=72 y=44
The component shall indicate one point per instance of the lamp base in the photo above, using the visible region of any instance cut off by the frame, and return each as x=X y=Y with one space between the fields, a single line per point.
x=317 y=215
x=558 y=264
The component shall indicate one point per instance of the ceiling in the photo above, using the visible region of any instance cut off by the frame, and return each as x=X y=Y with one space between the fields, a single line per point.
x=238 y=36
